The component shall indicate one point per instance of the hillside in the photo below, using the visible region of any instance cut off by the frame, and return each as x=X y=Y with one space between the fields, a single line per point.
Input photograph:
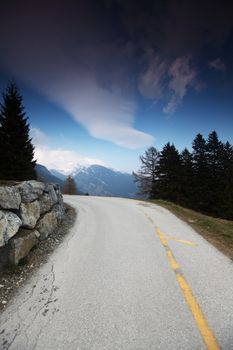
x=46 y=176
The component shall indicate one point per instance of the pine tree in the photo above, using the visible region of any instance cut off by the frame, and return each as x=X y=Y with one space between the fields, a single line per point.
x=169 y=174
x=16 y=149
x=226 y=200
x=214 y=150
x=186 y=178
x=147 y=175
x=201 y=175
x=70 y=186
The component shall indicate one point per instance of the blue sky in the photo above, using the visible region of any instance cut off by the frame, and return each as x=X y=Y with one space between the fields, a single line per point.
x=103 y=81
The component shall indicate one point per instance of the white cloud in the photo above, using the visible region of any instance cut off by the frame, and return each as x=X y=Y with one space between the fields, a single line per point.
x=217 y=64
x=107 y=115
x=159 y=80
x=183 y=76
x=38 y=136
x=60 y=159
x=72 y=76
x=150 y=81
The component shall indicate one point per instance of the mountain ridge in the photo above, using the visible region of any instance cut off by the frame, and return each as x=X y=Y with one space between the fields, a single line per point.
x=99 y=180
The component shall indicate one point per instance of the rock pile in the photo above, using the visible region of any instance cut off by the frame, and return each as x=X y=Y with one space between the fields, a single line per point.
x=29 y=211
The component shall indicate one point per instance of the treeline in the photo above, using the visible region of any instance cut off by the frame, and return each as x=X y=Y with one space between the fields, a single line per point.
x=201 y=180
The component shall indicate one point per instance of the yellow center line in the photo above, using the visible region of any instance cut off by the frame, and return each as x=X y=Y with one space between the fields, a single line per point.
x=175 y=266
x=201 y=322
x=163 y=238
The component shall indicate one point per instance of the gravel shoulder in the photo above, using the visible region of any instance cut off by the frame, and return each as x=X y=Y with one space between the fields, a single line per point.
x=14 y=277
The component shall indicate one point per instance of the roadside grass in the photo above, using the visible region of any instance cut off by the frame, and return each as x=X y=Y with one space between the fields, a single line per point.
x=218 y=232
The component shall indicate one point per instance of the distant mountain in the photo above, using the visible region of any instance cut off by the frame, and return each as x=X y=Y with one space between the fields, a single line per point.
x=98 y=180
x=45 y=175
x=58 y=174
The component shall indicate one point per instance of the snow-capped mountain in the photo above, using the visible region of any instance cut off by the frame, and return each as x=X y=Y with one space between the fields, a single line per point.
x=98 y=180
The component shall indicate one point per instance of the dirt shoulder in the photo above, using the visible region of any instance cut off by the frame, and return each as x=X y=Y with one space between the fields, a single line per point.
x=218 y=232
x=12 y=278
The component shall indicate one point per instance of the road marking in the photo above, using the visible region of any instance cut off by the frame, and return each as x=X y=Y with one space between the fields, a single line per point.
x=163 y=238
x=175 y=266
x=184 y=241
x=201 y=322
x=181 y=241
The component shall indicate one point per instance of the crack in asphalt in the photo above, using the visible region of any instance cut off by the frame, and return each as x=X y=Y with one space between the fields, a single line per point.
x=49 y=300
x=19 y=328
x=12 y=341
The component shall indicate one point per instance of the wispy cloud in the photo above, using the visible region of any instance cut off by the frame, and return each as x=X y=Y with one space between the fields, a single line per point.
x=183 y=76
x=162 y=80
x=217 y=64
x=150 y=81
x=106 y=114
x=63 y=160
x=73 y=63
x=39 y=138
x=86 y=55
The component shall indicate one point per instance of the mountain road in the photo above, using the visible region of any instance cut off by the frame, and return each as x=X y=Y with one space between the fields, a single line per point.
x=130 y=275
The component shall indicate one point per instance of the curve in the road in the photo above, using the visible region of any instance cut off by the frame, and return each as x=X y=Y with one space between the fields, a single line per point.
x=112 y=284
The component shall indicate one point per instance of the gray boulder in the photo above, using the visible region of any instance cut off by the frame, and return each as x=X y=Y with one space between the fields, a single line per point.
x=51 y=189
x=29 y=214
x=9 y=197
x=45 y=203
x=9 y=226
x=21 y=244
x=30 y=190
x=59 y=211
x=48 y=199
x=47 y=224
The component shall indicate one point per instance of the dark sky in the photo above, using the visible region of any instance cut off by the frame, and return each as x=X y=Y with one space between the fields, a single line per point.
x=128 y=74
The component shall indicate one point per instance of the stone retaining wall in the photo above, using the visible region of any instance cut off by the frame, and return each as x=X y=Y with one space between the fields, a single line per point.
x=29 y=211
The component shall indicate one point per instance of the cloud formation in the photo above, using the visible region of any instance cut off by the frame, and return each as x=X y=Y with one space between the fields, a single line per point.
x=183 y=76
x=63 y=160
x=106 y=114
x=217 y=64
x=73 y=63
x=171 y=81
x=93 y=57
x=150 y=82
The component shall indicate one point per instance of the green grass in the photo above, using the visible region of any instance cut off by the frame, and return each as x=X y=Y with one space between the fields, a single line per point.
x=218 y=232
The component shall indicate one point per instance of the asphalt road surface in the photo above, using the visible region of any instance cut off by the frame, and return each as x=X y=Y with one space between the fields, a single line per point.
x=130 y=275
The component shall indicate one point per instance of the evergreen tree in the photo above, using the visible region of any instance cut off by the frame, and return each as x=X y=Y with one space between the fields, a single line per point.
x=147 y=175
x=16 y=149
x=214 y=151
x=169 y=174
x=186 y=177
x=201 y=175
x=226 y=199
x=202 y=180
x=70 y=186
